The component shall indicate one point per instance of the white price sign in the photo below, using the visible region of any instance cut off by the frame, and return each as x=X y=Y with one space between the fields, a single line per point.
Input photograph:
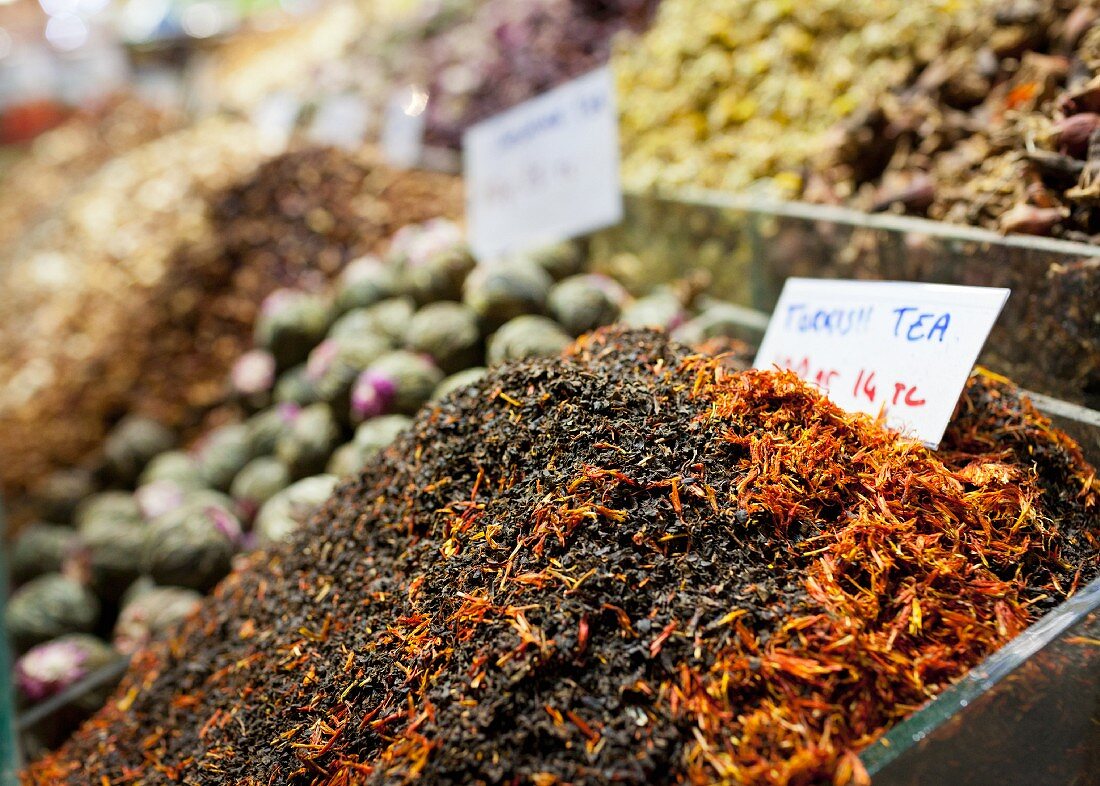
x=902 y=349
x=403 y=127
x=545 y=171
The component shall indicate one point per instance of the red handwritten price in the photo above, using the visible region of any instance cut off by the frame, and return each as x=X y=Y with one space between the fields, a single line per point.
x=865 y=386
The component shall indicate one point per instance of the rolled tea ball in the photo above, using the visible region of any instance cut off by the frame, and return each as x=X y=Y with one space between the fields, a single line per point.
x=364 y=282
x=291 y=323
x=107 y=505
x=417 y=244
x=348 y=459
x=294 y=387
x=527 y=336
x=222 y=453
x=661 y=309
x=377 y=434
x=399 y=382
x=335 y=363
x=260 y=480
x=585 y=302
x=40 y=548
x=152 y=615
x=47 y=607
x=448 y=333
x=54 y=666
x=174 y=465
x=252 y=377
x=111 y=549
x=389 y=319
x=499 y=293
x=159 y=497
x=456 y=381
x=721 y=320
x=132 y=443
x=305 y=449
x=266 y=427
x=560 y=260
x=58 y=496
x=193 y=546
x=284 y=513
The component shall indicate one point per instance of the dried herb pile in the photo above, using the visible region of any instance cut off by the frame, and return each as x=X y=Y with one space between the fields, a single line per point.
x=627 y=565
x=155 y=332
x=477 y=59
x=998 y=130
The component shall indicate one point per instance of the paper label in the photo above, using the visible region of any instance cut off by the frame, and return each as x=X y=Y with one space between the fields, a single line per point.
x=900 y=348
x=341 y=121
x=545 y=171
x=403 y=127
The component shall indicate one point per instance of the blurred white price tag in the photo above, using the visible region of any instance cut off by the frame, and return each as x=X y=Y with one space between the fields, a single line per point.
x=341 y=120
x=545 y=171
x=275 y=117
x=403 y=127
x=900 y=348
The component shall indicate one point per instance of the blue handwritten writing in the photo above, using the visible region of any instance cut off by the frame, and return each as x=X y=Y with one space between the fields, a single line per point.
x=836 y=321
x=531 y=129
x=916 y=325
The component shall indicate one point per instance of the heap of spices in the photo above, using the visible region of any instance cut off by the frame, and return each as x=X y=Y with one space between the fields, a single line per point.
x=190 y=284
x=997 y=130
x=723 y=95
x=627 y=565
x=477 y=59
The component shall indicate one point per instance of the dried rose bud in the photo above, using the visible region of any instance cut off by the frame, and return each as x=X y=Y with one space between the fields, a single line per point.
x=1074 y=131
x=50 y=668
x=253 y=373
x=1031 y=220
x=372 y=395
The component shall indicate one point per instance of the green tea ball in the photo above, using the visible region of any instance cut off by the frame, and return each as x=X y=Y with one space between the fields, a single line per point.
x=294 y=387
x=364 y=282
x=112 y=550
x=440 y=276
x=50 y=668
x=132 y=444
x=260 y=480
x=40 y=548
x=335 y=363
x=159 y=497
x=721 y=320
x=527 y=336
x=399 y=382
x=47 y=607
x=284 y=513
x=58 y=496
x=107 y=505
x=447 y=333
x=176 y=466
x=306 y=447
x=499 y=293
x=348 y=460
x=377 y=434
x=291 y=323
x=152 y=616
x=222 y=453
x=457 y=381
x=389 y=319
x=192 y=547
x=661 y=309
x=265 y=428
x=585 y=302
x=560 y=261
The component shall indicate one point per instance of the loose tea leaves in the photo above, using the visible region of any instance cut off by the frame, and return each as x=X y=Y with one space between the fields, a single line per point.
x=626 y=565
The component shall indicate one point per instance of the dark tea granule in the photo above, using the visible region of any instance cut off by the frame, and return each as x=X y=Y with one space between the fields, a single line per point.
x=628 y=565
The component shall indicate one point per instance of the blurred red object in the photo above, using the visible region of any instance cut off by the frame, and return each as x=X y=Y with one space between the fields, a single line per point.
x=23 y=122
